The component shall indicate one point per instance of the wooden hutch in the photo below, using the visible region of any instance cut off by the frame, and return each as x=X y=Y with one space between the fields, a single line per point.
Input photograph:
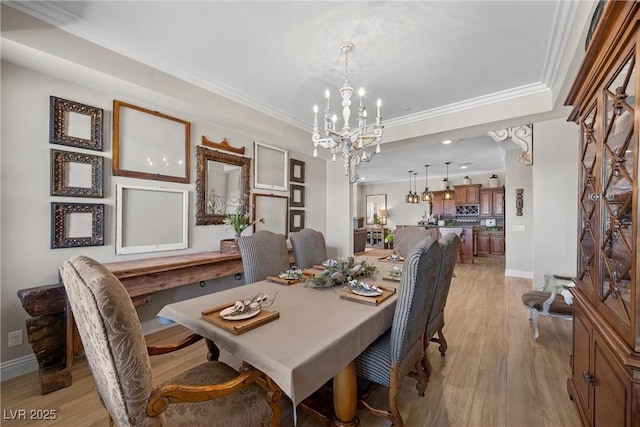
x=605 y=381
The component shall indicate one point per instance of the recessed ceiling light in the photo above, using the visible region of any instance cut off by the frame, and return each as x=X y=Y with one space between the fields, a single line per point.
x=362 y=178
x=463 y=167
x=446 y=141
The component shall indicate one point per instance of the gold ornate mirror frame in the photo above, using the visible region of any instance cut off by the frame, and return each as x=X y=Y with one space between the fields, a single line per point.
x=206 y=214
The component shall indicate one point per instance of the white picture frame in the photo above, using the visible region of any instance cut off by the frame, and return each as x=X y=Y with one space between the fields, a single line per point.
x=151 y=219
x=270 y=167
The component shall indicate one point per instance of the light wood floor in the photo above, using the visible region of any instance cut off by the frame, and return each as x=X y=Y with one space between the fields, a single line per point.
x=494 y=374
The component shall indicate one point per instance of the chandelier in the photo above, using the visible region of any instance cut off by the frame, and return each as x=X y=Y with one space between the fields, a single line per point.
x=350 y=143
x=426 y=194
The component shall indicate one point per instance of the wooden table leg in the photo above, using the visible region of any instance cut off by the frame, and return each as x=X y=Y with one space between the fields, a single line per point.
x=345 y=396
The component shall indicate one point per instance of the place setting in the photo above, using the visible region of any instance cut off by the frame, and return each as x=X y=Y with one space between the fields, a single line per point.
x=292 y=276
x=395 y=274
x=243 y=315
x=392 y=258
x=365 y=293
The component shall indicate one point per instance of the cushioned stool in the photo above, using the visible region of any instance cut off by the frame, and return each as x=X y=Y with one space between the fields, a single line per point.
x=552 y=300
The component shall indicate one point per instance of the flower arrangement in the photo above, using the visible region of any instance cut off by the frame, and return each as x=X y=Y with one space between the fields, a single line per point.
x=240 y=220
x=340 y=273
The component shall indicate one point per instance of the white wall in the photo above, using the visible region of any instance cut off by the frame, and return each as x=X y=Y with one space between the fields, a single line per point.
x=555 y=198
x=26 y=258
x=519 y=229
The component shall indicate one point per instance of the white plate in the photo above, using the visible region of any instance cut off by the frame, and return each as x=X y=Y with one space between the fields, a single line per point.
x=288 y=277
x=241 y=316
x=366 y=293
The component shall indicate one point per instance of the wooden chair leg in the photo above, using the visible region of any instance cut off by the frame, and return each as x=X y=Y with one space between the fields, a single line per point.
x=443 y=343
x=394 y=416
x=214 y=351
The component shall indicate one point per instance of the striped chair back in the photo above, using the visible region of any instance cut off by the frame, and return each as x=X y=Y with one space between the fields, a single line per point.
x=309 y=247
x=263 y=254
x=450 y=245
x=415 y=296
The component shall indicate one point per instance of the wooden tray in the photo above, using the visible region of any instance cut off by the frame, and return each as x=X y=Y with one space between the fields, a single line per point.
x=281 y=281
x=239 y=326
x=319 y=267
x=386 y=259
x=350 y=296
x=309 y=272
x=392 y=279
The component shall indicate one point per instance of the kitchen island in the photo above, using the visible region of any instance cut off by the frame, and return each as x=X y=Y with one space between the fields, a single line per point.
x=466 y=238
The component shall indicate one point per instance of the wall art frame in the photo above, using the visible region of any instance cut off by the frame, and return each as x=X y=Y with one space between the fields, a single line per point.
x=61 y=161
x=296 y=195
x=296 y=220
x=61 y=225
x=275 y=211
x=66 y=118
x=150 y=145
x=135 y=233
x=296 y=170
x=271 y=166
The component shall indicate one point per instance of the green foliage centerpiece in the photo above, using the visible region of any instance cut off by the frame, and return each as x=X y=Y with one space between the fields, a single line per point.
x=339 y=272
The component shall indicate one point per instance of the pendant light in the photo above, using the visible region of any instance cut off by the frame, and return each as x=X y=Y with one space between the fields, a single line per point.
x=416 y=198
x=448 y=193
x=409 y=197
x=426 y=194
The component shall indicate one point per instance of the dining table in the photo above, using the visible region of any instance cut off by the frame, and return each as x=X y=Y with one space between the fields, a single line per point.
x=316 y=337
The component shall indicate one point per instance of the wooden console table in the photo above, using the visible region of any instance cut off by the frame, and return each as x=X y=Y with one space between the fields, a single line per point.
x=51 y=330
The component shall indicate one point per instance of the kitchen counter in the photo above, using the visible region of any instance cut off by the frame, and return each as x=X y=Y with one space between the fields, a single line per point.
x=466 y=244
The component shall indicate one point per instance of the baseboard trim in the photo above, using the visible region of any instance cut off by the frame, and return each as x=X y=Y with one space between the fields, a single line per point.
x=25 y=364
x=519 y=273
x=16 y=367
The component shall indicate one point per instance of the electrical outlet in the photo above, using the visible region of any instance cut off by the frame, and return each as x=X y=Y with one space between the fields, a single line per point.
x=15 y=338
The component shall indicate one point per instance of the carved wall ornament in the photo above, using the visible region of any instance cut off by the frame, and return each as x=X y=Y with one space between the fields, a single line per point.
x=521 y=135
x=519 y=201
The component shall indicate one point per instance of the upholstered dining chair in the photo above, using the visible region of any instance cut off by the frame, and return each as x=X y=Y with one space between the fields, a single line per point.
x=119 y=360
x=309 y=247
x=404 y=239
x=552 y=299
x=263 y=254
x=401 y=348
x=450 y=246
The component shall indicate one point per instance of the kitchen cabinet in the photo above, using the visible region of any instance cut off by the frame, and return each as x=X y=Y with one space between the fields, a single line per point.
x=488 y=243
x=605 y=364
x=491 y=202
x=443 y=208
x=467 y=194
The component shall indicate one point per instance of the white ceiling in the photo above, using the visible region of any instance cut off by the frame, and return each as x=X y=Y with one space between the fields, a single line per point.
x=429 y=61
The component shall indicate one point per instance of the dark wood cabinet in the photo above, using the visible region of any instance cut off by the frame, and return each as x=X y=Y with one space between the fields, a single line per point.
x=441 y=207
x=491 y=202
x=489 y=243
x=467 y=194
x=605 y=380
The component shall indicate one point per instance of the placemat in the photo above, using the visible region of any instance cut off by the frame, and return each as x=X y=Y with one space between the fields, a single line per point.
x=310 y=272
x=386 y=259
x=239 y=326
x=350 y=296
x=320 y=267
x=281 y=281
x=392 y=279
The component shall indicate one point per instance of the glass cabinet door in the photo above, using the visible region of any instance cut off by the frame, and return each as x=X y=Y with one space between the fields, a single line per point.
x=589 y=196
x=617 y=199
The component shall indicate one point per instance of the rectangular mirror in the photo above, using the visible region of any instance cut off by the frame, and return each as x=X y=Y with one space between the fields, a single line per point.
x=274 y=209
x=375 y=203
x=150 y=219
x=150 y=145
x=222 y=184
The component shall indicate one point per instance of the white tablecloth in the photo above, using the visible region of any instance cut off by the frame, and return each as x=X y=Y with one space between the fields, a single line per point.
x=316 y=335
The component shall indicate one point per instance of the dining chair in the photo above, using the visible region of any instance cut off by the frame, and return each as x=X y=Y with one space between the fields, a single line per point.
x=263 y=254
x=401 y=348
x=405 y=239
x=449 y=246
x=552 y=299
x=309 y=247
x=119 y=360
x=460 y=232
